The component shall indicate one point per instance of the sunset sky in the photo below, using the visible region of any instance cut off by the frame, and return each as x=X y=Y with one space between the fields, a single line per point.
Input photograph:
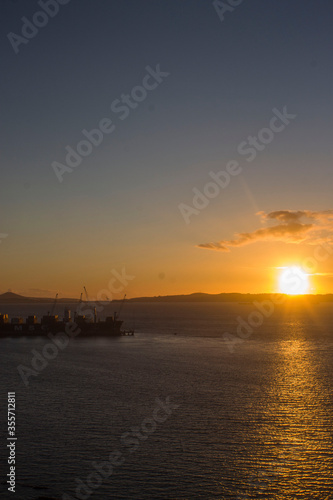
x=121 y=206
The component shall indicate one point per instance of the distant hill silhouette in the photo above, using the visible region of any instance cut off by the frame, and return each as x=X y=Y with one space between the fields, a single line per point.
x=246 y=298
x=14 y=298
x=11 y=296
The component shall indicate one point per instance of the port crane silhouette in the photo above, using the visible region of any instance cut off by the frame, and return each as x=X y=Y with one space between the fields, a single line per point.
x=54 y=305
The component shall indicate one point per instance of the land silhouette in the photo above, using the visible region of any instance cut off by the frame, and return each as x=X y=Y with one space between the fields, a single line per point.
x=14 y=298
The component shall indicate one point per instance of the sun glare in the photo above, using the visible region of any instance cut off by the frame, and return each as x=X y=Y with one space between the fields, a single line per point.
x=293 y=281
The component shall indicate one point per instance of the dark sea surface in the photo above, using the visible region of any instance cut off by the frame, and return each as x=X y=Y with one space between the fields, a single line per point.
x=255 y=423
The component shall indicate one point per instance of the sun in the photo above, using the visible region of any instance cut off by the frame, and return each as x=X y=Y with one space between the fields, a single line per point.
x=293 y=281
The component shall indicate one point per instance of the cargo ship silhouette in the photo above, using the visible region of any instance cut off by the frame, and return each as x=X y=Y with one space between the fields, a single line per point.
x=87 y=325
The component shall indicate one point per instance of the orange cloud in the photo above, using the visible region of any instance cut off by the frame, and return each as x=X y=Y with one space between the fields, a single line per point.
x=318 y=228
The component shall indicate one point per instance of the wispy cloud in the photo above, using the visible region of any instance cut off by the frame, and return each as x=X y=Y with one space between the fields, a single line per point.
x=302 y=226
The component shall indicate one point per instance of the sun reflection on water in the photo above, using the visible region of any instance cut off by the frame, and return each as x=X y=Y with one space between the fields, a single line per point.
x=291 y=460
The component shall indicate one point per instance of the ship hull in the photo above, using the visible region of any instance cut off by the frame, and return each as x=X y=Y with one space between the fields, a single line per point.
x=82 y=330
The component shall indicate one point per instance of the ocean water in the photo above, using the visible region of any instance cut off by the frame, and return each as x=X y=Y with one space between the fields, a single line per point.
x=185 y=414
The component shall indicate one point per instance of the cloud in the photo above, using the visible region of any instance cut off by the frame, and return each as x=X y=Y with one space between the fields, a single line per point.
x=302 y=226
x=295 y=216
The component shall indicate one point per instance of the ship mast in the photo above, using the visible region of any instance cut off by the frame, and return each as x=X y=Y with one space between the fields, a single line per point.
x=87 y=297
x=54 y=304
